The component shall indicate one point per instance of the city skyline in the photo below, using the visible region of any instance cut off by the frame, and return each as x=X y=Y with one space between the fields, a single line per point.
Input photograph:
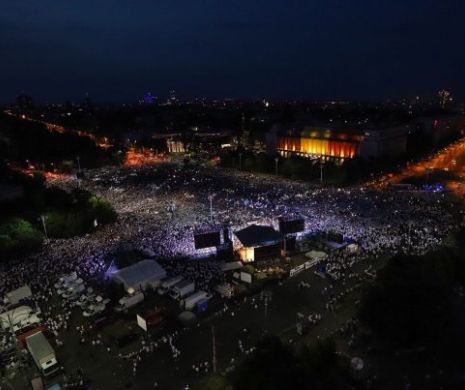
x=275 y=50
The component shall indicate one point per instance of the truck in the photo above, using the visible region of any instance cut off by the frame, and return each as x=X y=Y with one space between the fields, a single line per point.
x=129 y=301
x=202 y=305
x=42 y=353
x=190 y=301
x=167 y=284
x=182 y=289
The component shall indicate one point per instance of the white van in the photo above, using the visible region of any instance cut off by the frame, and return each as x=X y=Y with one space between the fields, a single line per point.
x=129 y=301
x=167 y=284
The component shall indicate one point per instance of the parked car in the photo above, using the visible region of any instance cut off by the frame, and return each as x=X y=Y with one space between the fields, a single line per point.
x=167 y=284
x=65 y=279
x=69 y=285
x=182 y=289
x=74 y=291
x=94 y=309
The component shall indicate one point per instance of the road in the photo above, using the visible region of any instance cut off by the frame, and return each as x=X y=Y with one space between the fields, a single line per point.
x=450 y=159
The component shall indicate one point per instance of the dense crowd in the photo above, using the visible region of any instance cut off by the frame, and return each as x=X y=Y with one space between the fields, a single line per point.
x=159 y=208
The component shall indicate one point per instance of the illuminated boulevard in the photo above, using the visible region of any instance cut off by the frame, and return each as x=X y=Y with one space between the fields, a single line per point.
x=448 y=162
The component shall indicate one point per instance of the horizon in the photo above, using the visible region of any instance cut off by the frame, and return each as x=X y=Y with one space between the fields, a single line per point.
x=162 y=99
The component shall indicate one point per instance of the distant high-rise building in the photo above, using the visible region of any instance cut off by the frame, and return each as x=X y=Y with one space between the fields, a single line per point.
x=24 y=102
x=245 y=133
x=172 y=99
x=87 y=102
x=148 y=98
x=445 y=98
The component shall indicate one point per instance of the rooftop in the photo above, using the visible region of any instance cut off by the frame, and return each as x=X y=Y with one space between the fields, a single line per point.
x=255 y=235
x=140 y=272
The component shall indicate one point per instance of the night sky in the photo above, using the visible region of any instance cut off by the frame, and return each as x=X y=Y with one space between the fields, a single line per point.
x=278 y=49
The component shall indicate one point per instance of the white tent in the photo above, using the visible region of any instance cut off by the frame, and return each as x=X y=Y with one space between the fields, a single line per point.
x=17 y=295
x=316 y=255
x=352 y=248
x=139 y=276
x=231 y=265
x=18 y=316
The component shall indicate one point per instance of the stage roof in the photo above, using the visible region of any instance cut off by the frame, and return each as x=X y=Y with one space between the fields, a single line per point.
x=255 y=235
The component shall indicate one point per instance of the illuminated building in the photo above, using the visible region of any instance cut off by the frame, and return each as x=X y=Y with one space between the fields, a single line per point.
x=175 y=146
x=172 y=98
x=320 y=142
x=338 y=143
x=444 y=98
x=148 y=98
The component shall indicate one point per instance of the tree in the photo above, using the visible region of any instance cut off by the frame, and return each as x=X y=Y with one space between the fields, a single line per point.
x=410 y=302
x=101 y=210
x=213 y=382
x=276 y=366
x=18 y=236
x=271 y=366
x=67 y=166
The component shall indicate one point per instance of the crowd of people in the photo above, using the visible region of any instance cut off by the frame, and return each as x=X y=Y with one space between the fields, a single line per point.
x=159 y=207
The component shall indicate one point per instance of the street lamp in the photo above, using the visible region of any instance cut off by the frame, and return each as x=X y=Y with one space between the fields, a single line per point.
x=43 y=218
x=409 y=236
x=79 y=175
x=240 y=161
x=79 y=164
x=321 y=172
x=210 y=198
x=276 y=164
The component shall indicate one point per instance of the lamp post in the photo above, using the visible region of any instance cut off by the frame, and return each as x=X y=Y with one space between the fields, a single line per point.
x=210 y=199
x=276 y=165
x=214 y=358
x=409 y=236
x=240 y=161
x=43 y=218
x=79 y=172
x=266 y=296
x=321 y=172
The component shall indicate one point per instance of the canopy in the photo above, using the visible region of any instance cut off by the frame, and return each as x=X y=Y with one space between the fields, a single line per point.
x=258 y=235
x=140 y=273
x=316 y=255
x=231 y=265
x=19 y=294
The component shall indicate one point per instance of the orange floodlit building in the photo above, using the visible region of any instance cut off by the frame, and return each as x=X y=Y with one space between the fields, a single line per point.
x=320 y=142
x=339 y=143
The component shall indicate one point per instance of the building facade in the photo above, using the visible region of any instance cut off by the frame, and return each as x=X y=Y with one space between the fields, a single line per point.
x=337 y=143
